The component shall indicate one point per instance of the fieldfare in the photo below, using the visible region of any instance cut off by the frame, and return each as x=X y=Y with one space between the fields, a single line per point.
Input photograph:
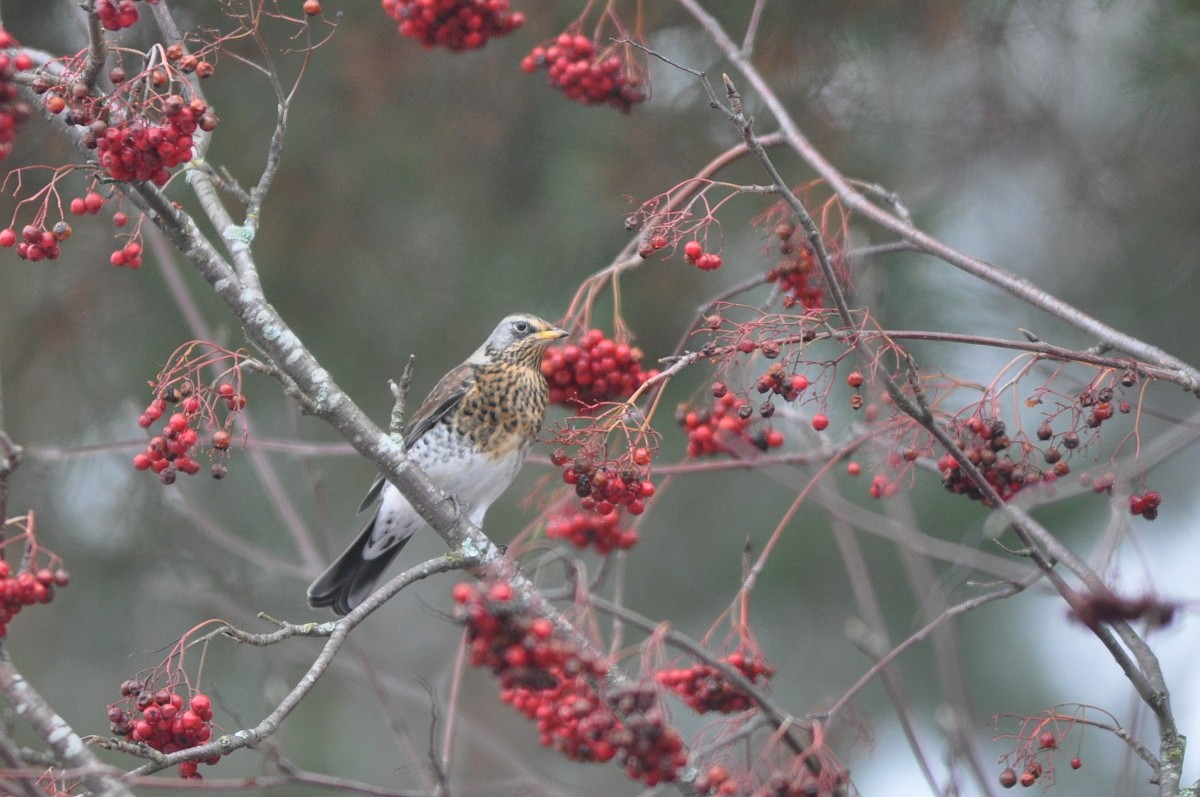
x=470 y=436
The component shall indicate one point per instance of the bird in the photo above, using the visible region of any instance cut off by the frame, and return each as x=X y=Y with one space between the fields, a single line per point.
x=471 y=436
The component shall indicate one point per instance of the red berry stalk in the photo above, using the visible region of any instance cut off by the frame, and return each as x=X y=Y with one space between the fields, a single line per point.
x=13 y=112
x=593 y=371
x=159 y=719
x=455 y=25
x=585 y=75
x=705 y=688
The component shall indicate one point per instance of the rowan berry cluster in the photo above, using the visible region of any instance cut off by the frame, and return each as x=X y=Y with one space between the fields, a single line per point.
x=592 y=530
x=571 y=718
x=453 y=24
x=549 y=681
x=596 y=370
x=37 y=243
x=777 y=381
x=716 y=780
x=1145 y=504
x=138 y=149
x=725 y=428
x=986 y=445
x=794 y=275
x=116 y=14
x=25 y=589
x=1033 y=771
x=13 y=112
x=694 y=254
x=170 y=452
x=705 y=688
x=521 y=650
x=604 y=486
x=585 y=75
x=648 y=746
x=798 y=781
x=158 y=719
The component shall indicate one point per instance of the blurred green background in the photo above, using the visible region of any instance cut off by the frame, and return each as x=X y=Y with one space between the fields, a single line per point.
x=424 y=195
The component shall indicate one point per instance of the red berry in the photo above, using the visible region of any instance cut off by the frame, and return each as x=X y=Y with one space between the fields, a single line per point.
x=692 y=250
x=1008 y=778
x=855 y=379
x=820 y=422
x=1047 y=741
x=854 y=468
x=120 y=218
x=7 y=237
x=1076 y=762
x=312 y=7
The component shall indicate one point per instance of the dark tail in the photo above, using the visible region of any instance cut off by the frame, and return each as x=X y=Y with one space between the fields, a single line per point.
x=349 y=580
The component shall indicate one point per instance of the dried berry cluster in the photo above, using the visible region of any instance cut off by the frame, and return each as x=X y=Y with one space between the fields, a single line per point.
x=777 y=381
x=794 y=275
x=1033 y=771
x=158 y=719
x=694 y=254
x=453 y=24
x=25 y=589
x=549 y=680
x=705 y=688
x=595 y=370
x=986 y=445
x=590 y=530
x=725 y=428
x=169 y=453
x=13 y=112
x=584 y=75
x=604 y=486
x=1145 y=504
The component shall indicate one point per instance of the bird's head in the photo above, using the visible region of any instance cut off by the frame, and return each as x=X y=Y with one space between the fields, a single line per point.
x=519 y=338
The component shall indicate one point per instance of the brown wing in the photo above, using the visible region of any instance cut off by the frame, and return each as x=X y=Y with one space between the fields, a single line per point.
x=444 y=397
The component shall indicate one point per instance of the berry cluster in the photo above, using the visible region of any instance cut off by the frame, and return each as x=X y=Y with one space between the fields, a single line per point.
x=884 y=487
x=116 y=14
x=520 y=649
x=776 y=380
x=1033 y=771
x=584 y=75
x=605 y=486
x=168 y=454
x=453 y=24
x=1145 y=504
x=724 y=429
x=591 y=530
x=37 y=243
x=647 y=745
x=90 y=204
x=13 y=112
x=549 y=681
x=595 y=370
x=694 y=254
x=25 y=589
x=136 y=149
x=159 y=720
x=716 y=780
x=799 y=781
x=571 y=718
x=705 y=688
x=986 y=445
x=793 y=276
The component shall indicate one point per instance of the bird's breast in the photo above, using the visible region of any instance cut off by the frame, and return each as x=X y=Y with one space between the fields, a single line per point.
x=503 y=411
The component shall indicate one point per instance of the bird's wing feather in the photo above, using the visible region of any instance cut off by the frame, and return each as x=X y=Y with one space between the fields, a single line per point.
x=444 y=397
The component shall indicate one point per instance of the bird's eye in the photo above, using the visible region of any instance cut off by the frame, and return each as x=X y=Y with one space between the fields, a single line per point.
x=522 y=327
